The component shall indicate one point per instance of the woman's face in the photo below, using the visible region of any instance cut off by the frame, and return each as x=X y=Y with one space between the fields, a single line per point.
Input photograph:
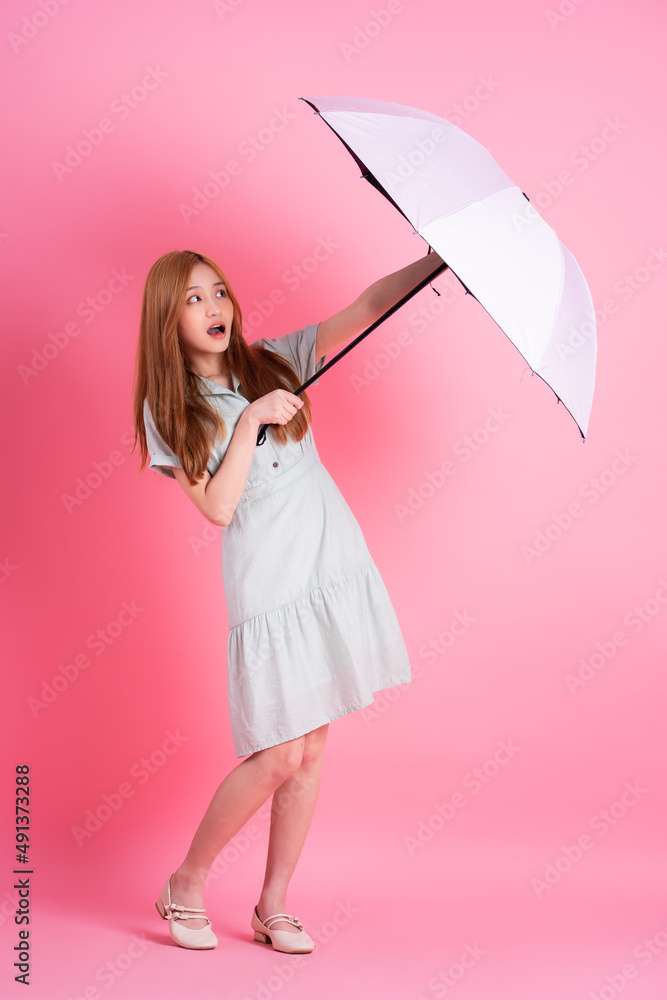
x=205 y=321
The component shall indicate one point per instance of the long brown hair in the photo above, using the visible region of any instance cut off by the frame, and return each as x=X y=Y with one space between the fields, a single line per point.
x=184 y=418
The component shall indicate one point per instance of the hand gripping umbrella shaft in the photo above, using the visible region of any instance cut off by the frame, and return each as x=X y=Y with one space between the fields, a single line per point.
x=261 y=435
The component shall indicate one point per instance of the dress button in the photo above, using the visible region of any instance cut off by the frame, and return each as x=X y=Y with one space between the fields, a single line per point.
x=275 y=465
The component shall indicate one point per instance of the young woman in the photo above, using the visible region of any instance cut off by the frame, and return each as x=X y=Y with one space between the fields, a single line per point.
x=312 y=631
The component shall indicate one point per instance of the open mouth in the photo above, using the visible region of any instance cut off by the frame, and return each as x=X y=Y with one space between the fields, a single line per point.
x=217 y=331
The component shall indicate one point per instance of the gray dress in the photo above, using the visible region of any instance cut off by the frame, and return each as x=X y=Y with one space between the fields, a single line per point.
x=312 y=631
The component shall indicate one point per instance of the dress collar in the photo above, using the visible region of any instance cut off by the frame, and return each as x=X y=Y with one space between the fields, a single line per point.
x=214 y=388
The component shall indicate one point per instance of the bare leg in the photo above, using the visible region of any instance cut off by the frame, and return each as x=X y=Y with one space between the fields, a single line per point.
x=291 y=812
x=238 y=797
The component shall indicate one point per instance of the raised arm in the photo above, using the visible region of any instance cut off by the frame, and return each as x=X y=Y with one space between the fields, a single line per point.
x=371 y=304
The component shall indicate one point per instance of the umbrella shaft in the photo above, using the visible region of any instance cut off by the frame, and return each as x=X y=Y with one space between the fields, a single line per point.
x=261 y=435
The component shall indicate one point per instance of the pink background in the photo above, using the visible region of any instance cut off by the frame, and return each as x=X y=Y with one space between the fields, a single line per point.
x=539 y=88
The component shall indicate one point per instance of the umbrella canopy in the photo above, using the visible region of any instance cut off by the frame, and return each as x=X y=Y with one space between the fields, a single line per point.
x=455 y=195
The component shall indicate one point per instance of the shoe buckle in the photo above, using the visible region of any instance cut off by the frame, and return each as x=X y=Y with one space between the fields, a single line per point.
x=177 y=911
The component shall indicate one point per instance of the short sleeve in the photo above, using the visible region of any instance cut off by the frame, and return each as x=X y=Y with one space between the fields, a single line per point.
x=298 y=348
x=163 y=459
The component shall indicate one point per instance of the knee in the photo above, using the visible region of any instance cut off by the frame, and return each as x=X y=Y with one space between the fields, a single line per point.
x=282 y=760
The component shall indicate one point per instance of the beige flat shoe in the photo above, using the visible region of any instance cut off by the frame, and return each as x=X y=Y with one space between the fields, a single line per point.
x=285 y=941
x=187 y=937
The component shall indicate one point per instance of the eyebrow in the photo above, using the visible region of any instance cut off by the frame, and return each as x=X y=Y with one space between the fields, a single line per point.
x=191 y=287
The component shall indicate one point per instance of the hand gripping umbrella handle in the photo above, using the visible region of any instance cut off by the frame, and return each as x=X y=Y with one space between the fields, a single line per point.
x=261 y=434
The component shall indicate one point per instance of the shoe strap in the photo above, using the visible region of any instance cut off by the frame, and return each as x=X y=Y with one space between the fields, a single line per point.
x=283 y=916
x=177 y=912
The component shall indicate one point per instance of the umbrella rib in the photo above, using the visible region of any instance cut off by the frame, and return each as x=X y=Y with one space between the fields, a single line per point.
x=372 y=180
x=383 y=109
x=522 y=356
x=365 y=172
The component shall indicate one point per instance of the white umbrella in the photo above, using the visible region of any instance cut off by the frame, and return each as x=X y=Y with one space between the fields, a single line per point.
x=456 y=196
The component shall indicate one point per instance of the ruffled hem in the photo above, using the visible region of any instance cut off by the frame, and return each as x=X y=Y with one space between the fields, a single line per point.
x=303 y=664
x=284 y=737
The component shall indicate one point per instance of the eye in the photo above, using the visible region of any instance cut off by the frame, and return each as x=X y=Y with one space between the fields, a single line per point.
x=222 y=291
x=191 y=299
